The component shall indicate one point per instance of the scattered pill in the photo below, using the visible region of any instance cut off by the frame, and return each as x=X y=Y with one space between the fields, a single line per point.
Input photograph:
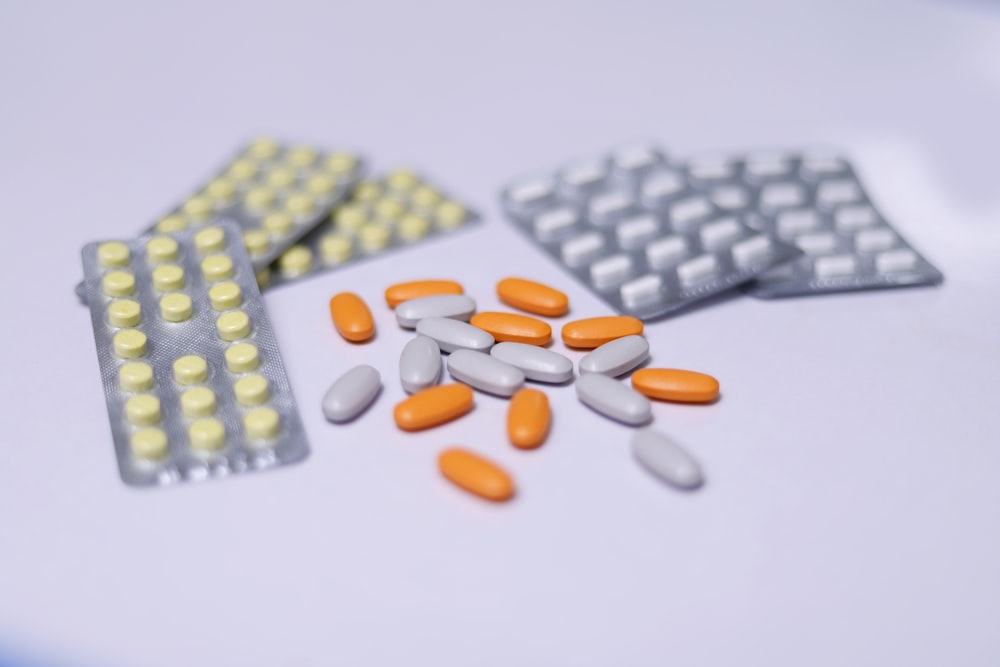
x=535 y=362
x=532 y=297
x=616 y=357
x=513 y=328
x=198 y=402
x=400 y=292
x=433 y=406
x=485 y=373
x=476 y=475
x=149 y=443
x=262 y=423
x=190 y=369
x=671 y=384
x=351 y=317
x=129 y=344
x=454 y=306
x=176 y=307
x=419 y=364
x=242 y=358
x=118 y=283
x=207 y=434
x=351 y=393
x=596 y=331
x=528 y=418
x=451 y=335
x=612 y=399
x=666 y=459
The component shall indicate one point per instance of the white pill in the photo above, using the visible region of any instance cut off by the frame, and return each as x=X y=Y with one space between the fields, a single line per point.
x=642 y=290
x=797 y=221
x=896 y=260
x=485 y=373
x=834 y=193
x=720 y=232
x=767 y=166
x=577 y=249
x=782 y=195
x=666 y=251
x=686 y=211
x=712 y=168
x=854 y=217
x=661 y=186
x=610 y=270
x=817 y=244
x=451 y=335
x=531 y=192
x=751 y=250
x=871 y=240
x=731 y=197
x=606 y=206
x=835 y=265
x=585 y=174
x=634 y=158
x=635 y=231
x=351 y=393
x=697 y=270
x=419 y=364
x=666 y=459
x=613 y=399
x=454 y=306
x=822 y=165
x=550 y=224
x=616 y=357
x=535 y=362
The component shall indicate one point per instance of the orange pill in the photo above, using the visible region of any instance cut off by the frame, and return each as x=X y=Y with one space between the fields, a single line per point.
x=671 y=384
x=351 y=317
x=532 y=297
x=400 y=292
x=528 y=418
x=475 y=474
x=513 y=328
x=596 y=331
x=433 y=406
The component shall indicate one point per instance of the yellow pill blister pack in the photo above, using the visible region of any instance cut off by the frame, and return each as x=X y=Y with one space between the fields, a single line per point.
x=194 y=382
x=399 y=209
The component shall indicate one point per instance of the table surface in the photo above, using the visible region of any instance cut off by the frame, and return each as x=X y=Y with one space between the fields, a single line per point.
x=851 y=506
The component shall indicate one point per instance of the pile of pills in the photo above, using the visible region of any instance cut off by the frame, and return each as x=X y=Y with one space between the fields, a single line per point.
x=498 y=353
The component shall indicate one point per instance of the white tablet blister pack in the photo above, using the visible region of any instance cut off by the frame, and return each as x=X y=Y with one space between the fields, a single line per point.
x=194 y=382
x=400 y=209
x=816 y=202
x=633 y=229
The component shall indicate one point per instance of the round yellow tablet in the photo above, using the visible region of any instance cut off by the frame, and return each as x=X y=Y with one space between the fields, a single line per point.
x=118 y=283
x=425 y=197
x=281 y=178
x=413 y=227
x=300 y=156
x=389 y=209
x=242 y=357
x=233 y=325
x=341 y=163
x=168 y=278
x=161 y=249
x=263 y=277
x=256 y=241
x=242 y=170
x=367 y=191
x=198 y=402
x=221 y=191
x=190 y=369
x=176 y=307
x=335 y=248
x=320 y=185
x=129 y=344
x=373 y=238
x=135 y=376
x=450 y=214
x=262 y=148
x=207 y=434
x=259 y=198
x=149 y=443
x=112 y=254
x=278 y=223
x=300 y=204
x=198 y=207
x=225 y=296
x=217 y=267
x=295 y=261
x=251 y=390
x=124 y=313
x=350 y=218
x=211 y=239
x=143 y=410
x=172 y=223
x=402 y=179
x=261 y=423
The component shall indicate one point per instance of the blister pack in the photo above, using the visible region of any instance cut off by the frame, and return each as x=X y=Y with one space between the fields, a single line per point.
x=397 y=210
x=816 y=202
x=194 y=382
x=633 y=229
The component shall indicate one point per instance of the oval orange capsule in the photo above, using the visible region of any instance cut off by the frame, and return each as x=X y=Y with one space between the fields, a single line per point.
x=528 y=418
x=671 y=384
x=351 y=317
x=400 y=292
x=475 y=474
x=433 y=406
x=596 y=331
x=532 y=297
x=513 y=328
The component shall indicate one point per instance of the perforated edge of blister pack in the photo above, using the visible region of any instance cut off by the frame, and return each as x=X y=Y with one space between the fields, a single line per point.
x=631 y=228
x=198 y=335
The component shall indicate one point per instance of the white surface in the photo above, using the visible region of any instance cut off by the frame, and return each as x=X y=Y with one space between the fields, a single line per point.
x=851 y=506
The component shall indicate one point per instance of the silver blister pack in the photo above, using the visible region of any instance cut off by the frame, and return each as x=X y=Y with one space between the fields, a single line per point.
x=193 y=379
x=634 y=230
x=816 y=202
x=398 y=210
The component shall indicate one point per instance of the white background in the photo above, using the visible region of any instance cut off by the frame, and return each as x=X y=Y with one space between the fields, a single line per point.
x=852 y=504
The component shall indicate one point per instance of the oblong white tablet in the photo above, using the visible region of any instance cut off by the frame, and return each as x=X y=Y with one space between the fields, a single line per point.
x=535 y=362
x=351 y=393
x=666 y=459
x=419 y=364
x=612 y=399
x=483 y=372
x=451 y=335
x=454 y=306
x=616 y=357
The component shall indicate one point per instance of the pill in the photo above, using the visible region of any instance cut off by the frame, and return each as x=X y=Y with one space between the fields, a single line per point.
x=596 y=331
x=528 y=418
x=339 y=163
x=112 y=254
x=450 y=214
x=400 y=292
x=251 y=390
x=280 y=178
x=485 y=373
x=671 y=384
x=389 y=209
x=258 y=199
x=149 y=443
x=207 y=434
x=135 y=376
x=532 y=297
x=143 y=410
x=242 y=170
x=262 y=148
x=412 y=227
x=217 y=267
x=197 y=208
x=425 y=197
x=221 y=191
x=176 y=307
x=402 y=179
x=351 y=317
x=299 y=204
x=373 y=238
x=350 y=218
x=278 y=223
x=451 y=335
x=367 y=191
x=300 y=156
x=161 y=249
x=171 y=223
x=351 y=394
x=124 y=313
x=335 y=248
x=513 y=328
x=118 y=283
x=263 y=277
x=129 y=344
x=209 y=240
x=320 y=185
x=612 y=399
x=454 y=306
x=535 y=362
x=666 y=459
x=190 y=369
x=262 y=423
x=225 y=296
x=168 y=278
x=295 y=261
x=433 y=406
x=233 y=325
x=476 y=475
x=419 y=364
x=616 y=357
x=242 y=357
x=198 y=402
